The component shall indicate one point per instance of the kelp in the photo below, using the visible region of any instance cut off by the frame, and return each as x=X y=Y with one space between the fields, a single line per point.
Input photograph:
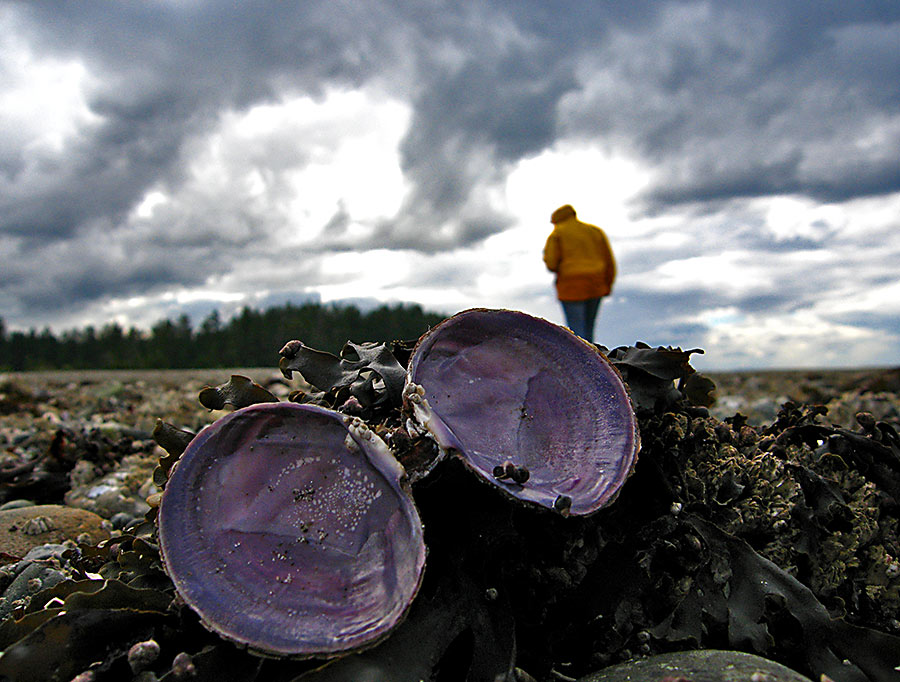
x=72 y=641
x=238 y=391
x=367 y=373
x=652 y=373
x=762 y=609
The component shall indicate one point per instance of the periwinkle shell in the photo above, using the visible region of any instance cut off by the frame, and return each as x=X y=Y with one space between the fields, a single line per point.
x=290 y=530
x=500 y=387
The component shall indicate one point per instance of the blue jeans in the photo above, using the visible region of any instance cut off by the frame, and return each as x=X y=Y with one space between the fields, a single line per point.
x=581 y=315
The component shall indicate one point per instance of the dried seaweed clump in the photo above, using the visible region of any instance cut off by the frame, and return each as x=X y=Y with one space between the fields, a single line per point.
x=794 y=492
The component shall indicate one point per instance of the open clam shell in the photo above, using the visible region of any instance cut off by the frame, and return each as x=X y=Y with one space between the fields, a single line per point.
x=290 y=530
x=508 y=392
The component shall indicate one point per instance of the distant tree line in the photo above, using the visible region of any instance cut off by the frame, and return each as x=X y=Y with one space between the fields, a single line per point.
x=252 y=338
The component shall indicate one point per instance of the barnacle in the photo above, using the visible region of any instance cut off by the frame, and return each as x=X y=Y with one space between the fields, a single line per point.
x=37 y=525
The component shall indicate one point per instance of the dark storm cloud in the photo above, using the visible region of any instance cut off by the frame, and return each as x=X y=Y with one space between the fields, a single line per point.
x=99 y=180
x=85 y=274
x=338 y=223
x=670 y=317
x=782 y=176
x=877 y=321
x=723 y=101
x=488 y=83
x=165 y=71
x=768 y=303
x=821 y=237
x=623 y=322
x=688 y=303
x=751 y=100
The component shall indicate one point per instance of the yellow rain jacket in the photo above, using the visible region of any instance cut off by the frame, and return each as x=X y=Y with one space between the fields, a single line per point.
x=580 y=255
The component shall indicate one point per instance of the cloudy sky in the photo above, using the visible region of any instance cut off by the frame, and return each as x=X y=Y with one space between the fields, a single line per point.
x=183 y=155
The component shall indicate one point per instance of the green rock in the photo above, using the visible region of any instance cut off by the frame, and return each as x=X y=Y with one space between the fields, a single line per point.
x=698 y=666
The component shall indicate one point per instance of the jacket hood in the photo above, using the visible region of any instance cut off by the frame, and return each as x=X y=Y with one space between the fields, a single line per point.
x=563 y=212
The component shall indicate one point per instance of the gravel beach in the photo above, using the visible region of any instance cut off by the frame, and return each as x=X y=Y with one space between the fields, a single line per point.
x=120 y=409
x=78 y=460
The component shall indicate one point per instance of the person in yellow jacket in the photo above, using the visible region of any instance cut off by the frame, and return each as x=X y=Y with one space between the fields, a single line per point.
x=580 y=255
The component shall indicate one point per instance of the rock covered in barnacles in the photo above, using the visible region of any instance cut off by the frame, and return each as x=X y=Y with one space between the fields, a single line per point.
x=527 y=405
x=289 y=529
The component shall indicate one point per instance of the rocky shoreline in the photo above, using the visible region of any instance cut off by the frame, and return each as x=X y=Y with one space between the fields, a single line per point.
x=759 y=395
x=97 y=426
x=101 y=422
x=78 y=458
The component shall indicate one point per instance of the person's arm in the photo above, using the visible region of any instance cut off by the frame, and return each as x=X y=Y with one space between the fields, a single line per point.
x=610 y=260
x=551 y=253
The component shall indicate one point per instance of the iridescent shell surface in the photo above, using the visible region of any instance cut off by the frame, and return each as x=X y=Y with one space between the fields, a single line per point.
x=505 y=391
x=289 y=529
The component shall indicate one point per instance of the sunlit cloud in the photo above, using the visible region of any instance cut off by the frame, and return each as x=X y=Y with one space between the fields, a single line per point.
x=744 y=161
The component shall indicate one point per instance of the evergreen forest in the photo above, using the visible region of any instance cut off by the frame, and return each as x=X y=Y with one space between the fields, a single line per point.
x=252 y=338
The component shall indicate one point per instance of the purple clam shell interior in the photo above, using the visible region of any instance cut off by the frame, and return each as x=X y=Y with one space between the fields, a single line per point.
x=505 y=386
x=287 y=530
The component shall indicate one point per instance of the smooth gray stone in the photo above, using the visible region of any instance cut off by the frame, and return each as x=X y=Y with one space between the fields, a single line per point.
x=48 y=551
x=698 y=666
x=16 y=504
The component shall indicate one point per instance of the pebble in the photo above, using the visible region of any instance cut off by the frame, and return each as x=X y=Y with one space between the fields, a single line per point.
x=142 y=655
x=16 y=504
x=44 y=552
x=122 y=491
x=27 y=527
x=121 y=520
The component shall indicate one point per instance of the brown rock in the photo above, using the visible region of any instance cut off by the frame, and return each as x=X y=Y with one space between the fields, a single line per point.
x=27 y=527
